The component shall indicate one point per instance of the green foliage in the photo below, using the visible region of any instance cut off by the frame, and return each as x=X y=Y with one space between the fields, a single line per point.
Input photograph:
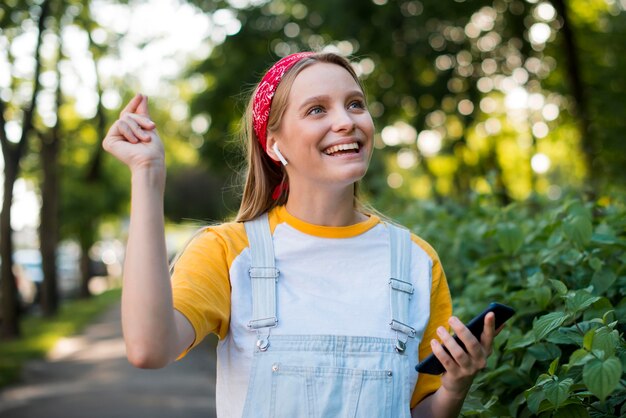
x=561 y=266
x=443 y=68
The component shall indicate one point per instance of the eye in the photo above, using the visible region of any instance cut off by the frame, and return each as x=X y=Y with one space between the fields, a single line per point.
x=356 y=104
x=315 y=110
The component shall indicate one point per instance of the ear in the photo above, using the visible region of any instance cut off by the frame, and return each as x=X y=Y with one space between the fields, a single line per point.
x=271 y=141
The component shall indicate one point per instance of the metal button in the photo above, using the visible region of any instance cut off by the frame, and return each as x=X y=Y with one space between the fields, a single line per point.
x=263 y=344
x=400 y=346
x=274 y=367
x=389 y=373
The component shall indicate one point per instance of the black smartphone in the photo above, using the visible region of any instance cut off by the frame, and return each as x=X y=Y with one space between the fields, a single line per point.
x=432 y=365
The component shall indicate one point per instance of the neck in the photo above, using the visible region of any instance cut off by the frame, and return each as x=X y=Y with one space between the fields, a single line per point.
x=324 y=207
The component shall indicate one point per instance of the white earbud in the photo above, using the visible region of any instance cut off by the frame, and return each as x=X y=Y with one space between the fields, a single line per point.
x=279 y=155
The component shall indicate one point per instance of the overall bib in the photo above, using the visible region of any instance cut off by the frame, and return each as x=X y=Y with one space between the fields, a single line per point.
x=327 y=376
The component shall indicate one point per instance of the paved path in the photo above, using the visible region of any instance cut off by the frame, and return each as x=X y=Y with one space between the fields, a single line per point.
x=88 y=376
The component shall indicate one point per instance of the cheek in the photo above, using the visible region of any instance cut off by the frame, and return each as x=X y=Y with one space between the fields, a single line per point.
x=368 y=127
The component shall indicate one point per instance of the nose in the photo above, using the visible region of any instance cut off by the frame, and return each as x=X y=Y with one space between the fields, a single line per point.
x=343 y=121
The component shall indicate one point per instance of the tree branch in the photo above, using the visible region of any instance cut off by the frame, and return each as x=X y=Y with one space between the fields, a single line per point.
x=95 y=165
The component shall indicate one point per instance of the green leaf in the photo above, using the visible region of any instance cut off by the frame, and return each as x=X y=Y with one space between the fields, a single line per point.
x=599 y=309
x=472 y=405
x=602 y=280
x=558 y=286
x=545 y=324
x=557 y=391
x=520 y=341
x=536 y=279
x=553 y=366
x=605 y=340
x=579 y=357
x=565 y=336
x=609 y=318
x=588 y=339
x=579 y=300
x=544 y=351
x=620 y=310
x=509 y=237
x=534 y=399
x=527 y=362
x=604 y=234
x=542 y=379
x=571 y=257
x=578 y=229
x=578 y=209
x=572 y=411
x=595 y=263
x=602 y=377
x=542 y=295
x=555 y=239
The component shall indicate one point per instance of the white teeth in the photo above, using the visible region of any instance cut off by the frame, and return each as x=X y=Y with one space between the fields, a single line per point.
x=341 y=147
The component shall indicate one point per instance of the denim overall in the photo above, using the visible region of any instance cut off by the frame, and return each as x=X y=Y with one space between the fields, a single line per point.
x=327 y=376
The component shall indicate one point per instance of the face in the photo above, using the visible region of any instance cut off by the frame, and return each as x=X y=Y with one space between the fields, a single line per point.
x=326 y=131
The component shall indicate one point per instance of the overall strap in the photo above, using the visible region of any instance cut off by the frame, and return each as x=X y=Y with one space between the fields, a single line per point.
x=400 y=285
x=263 y=277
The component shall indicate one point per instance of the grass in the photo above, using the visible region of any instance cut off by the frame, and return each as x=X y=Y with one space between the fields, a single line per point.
x=40 y=334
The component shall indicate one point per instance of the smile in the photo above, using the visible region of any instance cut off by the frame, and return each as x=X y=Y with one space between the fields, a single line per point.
x=341 y=149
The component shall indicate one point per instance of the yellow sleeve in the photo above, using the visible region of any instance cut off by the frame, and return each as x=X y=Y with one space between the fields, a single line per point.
x=440 y=312
x=201 y=282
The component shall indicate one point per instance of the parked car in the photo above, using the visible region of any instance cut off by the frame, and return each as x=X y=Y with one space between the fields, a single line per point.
x=27 y=267
x=29 y=275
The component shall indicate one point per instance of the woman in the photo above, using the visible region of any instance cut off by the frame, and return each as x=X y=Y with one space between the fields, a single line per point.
x=321 y=308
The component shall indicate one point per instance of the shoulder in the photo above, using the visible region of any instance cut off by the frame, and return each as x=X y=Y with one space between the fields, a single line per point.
x=420 y=245
x=225 y=232
x=227 y=240
x=423 y=245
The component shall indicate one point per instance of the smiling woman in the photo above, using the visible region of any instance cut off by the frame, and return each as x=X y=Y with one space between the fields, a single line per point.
x=319 y=304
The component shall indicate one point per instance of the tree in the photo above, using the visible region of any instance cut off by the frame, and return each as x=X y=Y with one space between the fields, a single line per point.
x=12 y=154
x=465 y=94
x=50 y=192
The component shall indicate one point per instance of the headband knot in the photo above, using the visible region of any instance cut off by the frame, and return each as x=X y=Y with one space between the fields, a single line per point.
x=265 y=93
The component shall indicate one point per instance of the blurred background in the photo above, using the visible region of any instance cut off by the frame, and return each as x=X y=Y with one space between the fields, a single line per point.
x=500 y=139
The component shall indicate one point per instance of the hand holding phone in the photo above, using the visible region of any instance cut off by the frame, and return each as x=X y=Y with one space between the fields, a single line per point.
x=432 y=365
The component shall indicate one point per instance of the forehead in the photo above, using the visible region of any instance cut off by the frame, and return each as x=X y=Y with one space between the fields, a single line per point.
x=322 y=78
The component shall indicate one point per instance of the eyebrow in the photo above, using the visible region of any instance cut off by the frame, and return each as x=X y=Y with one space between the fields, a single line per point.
x=324 y=97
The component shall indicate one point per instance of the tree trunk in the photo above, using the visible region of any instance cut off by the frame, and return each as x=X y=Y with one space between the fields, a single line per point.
x=570 y=49
x=12 y=156
x=49 y=226
x=50 y=195
x=10 y=299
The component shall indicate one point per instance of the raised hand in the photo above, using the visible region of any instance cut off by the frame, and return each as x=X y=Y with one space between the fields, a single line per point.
x=133 y=138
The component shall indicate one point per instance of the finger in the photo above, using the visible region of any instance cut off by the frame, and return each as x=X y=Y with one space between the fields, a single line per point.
x=143 y=121
x=456 y=351
x=444 y=357
x=127 y=132
x=489 y=331
x=142 y=109
x=131 y=107
x=472 y=345
x=137 y=131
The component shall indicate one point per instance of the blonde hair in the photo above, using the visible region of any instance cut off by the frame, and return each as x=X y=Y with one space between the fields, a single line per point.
x=262 y=174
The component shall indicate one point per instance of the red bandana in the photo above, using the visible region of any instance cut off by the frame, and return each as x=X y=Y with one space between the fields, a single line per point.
x=265 y=93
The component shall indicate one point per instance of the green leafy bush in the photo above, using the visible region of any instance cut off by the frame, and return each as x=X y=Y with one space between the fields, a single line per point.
x=562 y=269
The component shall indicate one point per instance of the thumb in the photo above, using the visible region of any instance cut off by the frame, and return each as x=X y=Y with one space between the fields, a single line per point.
x=142 y=108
